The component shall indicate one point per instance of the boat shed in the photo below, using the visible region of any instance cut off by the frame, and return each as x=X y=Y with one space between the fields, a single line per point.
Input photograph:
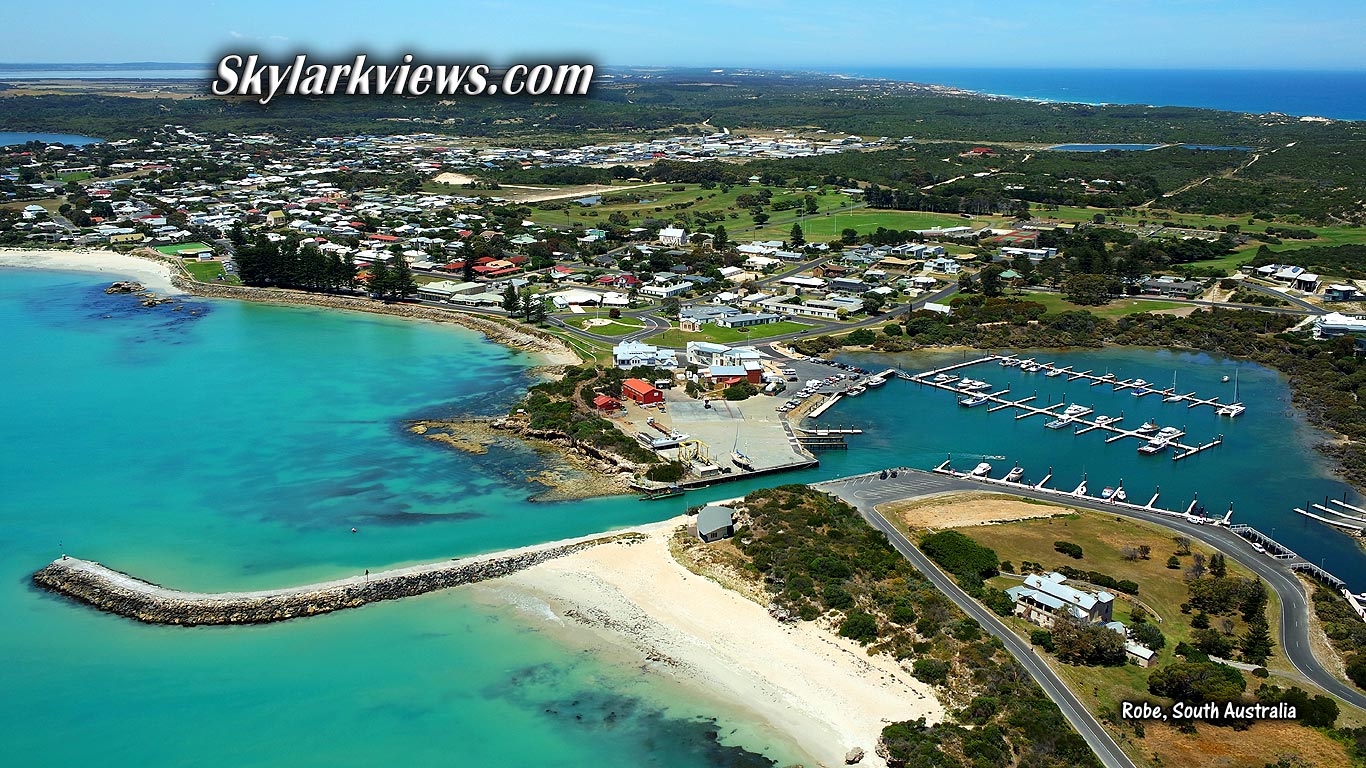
x=715 y=523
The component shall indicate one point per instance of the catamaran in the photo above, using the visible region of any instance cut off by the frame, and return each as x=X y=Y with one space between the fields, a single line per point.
x=1234 y=408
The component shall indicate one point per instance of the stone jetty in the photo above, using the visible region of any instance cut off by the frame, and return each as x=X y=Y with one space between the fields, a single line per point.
x=118 y=593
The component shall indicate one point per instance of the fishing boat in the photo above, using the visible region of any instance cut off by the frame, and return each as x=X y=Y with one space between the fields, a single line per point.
x=875 y=382
x=1014 y=475
x=856 y=391
x=982 y=470
x=1120 y=495
x=1059 y=422
x=1107 y=493
x=1147 y=426
x=663 y=493
x=972 y=402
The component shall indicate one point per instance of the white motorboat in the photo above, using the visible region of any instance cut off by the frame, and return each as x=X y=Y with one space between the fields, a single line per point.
x=1014 y=475
x=875 y=382
x=1074 y=410
x=1054 y=372
x=1155 y=445
x=1168 y=433
x=972 y=402
x=982 y=470
x=1147 y=426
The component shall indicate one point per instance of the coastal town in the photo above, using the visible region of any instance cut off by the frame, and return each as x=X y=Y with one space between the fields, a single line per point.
x=962 y=460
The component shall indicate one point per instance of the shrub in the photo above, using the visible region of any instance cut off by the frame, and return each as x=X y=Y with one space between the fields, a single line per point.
x=1068 y=548
x=960 y=555
x=932 y=671
x=1042 y=638
x=859 y=626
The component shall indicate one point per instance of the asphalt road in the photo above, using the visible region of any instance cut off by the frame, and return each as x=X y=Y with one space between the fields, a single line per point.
x=866 y=491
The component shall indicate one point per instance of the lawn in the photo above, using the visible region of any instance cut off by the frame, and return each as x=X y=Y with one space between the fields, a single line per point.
x=719 y=335
x=656 y=202
x=1054 y=302
x=619 y=327
x=171 y=250
x=208 y=272
x=863 y=221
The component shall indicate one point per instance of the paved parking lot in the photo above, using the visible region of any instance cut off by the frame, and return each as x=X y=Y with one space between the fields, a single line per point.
x=867 y=491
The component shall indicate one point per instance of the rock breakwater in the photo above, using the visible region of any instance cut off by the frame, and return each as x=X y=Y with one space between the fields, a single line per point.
x=124 y=595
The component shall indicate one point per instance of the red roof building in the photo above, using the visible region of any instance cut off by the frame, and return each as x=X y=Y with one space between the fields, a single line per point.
x=606 y=403
x=642 y=392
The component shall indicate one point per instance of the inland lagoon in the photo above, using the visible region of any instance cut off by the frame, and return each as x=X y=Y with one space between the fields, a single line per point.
x=228 y=445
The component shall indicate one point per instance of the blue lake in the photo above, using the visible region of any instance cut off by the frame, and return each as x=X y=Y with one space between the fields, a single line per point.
x=9 y=138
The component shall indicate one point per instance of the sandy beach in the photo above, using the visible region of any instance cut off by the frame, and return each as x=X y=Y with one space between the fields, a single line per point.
x=821 y=691
x=155 y=275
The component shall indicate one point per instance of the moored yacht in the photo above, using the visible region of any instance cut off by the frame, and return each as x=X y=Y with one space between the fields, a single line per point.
x=1014 y=475
x=982 y=470
x=1155 y=445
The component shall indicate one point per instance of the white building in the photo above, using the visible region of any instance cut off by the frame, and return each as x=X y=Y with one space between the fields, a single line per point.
x=673 y=236
x=1044 y=598
x=629 y=354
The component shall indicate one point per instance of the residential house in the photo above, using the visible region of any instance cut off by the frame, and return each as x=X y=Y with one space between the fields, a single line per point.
x=629 y=354
x=673 y=236
x=1044 y=598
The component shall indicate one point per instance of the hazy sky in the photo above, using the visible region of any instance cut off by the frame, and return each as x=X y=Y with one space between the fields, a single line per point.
x=1244 y=34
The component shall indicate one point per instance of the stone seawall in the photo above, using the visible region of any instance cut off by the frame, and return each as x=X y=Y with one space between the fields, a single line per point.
x=118 y=593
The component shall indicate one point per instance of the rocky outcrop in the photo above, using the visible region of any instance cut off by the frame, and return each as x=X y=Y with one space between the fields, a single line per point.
x=125 y=286
x=603 y=461
x=853 y=756
x=121 y=594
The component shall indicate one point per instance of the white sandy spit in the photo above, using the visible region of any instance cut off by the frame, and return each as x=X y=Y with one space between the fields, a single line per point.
x=155 y=275
x=823 y=692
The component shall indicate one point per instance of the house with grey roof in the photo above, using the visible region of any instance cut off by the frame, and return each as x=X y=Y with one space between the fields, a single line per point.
x=715 y=523
x=1044 y=598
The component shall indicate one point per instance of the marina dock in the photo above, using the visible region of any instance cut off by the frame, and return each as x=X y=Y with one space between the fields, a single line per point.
x=1081 y=423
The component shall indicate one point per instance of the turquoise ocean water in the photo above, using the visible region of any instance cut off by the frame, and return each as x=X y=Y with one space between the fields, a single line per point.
x=237 y=447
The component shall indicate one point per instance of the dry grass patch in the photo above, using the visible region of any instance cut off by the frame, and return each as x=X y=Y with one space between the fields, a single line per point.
x=1262 y=744
x=966 y=509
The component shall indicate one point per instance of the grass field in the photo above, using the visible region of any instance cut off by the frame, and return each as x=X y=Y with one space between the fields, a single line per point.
x=619 y=327
x=656 y=202
x=1117 y=308
x=719 y=335
x=171 y=250
x=208 y=272
x=863 y=221
x=77 y=176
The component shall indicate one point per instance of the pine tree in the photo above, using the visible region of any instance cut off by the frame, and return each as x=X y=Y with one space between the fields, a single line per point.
x=798 y=237
x=1256 y=643
x=403 y=284
x=380 y=279
x=719 y=237
x=510 y=300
